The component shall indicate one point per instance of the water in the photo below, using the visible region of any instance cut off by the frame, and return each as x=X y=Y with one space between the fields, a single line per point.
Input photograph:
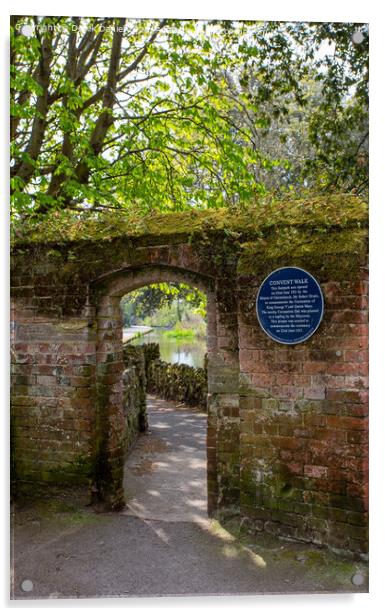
x=176 y=351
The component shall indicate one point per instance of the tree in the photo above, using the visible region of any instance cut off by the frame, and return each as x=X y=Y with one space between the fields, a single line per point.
x=164 y=114
x=148 y=300
x=312 y=134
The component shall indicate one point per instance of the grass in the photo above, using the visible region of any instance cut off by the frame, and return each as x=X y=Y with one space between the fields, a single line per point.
x=180 y=333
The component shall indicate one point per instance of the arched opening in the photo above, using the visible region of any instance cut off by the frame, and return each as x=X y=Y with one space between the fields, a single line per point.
x=172 y=316
x=165 y=401
x=109 y=454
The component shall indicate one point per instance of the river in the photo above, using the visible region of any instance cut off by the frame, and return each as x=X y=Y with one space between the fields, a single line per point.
x=175 y=351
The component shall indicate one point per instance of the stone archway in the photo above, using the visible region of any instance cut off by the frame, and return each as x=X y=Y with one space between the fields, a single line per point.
x=109 y=454
x=288 y=426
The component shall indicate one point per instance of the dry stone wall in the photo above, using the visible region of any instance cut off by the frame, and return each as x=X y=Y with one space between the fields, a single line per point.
x=134 y=392
x=178 y=382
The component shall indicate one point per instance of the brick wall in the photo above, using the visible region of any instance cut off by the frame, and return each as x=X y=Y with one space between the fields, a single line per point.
x=53 y=385
x=287 y=425
x=304 y=421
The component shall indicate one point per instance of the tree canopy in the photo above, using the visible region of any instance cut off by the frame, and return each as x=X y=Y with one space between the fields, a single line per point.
x=172 y=114
x=145 y=302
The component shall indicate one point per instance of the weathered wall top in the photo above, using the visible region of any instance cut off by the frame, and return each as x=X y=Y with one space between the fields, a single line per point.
x=242 y=239
x=320 y=215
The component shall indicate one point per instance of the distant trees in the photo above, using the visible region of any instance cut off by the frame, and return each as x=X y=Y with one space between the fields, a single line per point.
x=310 y=127
x=145 y=302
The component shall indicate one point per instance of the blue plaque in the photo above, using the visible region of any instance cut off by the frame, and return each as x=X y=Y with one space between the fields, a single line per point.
x=290 y=305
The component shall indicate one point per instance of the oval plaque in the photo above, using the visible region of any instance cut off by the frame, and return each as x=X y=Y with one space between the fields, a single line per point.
x=290 y=305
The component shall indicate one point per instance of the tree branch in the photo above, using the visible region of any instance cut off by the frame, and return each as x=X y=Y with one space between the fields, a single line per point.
x=70 y=69
x=24 y=169
x=143 y=53
x=105 y=119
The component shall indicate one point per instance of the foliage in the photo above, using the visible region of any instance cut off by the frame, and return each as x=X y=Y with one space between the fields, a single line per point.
x=180 y=333
x=146 y=115
x=315 y=132
x=338 y=125
x=170 y=301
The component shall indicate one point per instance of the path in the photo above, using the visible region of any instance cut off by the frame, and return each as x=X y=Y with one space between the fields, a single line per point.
x=129 y=333
x=162 y=543
x=165 y=475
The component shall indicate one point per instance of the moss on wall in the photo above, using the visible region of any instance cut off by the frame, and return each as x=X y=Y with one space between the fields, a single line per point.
x=178 y=382
x=134 y=392
x=78 y=252
x=308 y=248
x=25 y=482
x=253 y=220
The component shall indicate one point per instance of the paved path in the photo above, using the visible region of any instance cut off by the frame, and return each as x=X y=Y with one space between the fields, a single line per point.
x=163 y=543
x=165 y=474
x=129 y=333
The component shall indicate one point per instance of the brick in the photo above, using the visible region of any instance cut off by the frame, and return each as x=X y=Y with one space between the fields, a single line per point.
x=296 y=468
x=346 y=396
x=315 y=471
x=356 y=437
x=331 y=436
x=347 y=502
x=314 y=420
x=357 y=357
x=288 y=442
x=344 y=368
x=314 y=393
x=286 y=430
x=346 y=423
x=302 y=422
x=288 y=392
x=315 y=367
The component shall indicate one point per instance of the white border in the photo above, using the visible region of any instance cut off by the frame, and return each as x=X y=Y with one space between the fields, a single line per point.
x=349 y=604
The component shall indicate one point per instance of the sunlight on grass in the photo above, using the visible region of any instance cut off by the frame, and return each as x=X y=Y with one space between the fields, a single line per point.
x=180 y=333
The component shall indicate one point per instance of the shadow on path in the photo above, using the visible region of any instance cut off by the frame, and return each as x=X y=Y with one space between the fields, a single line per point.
x=165 y=473
x=163 y=543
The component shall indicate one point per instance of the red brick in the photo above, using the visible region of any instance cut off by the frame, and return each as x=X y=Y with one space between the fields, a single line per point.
x=295 y=467
x=287 y=442
x=358 y=437
x=315 y=367
x=349 y=316
x=330 y=435
x=315 y=471
x=261 y=380
x=346 y=423
x=343 y=368
x=347 y=396
x=314 y=393
x=356 y=356
x=312 y=419
x=285 y=454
